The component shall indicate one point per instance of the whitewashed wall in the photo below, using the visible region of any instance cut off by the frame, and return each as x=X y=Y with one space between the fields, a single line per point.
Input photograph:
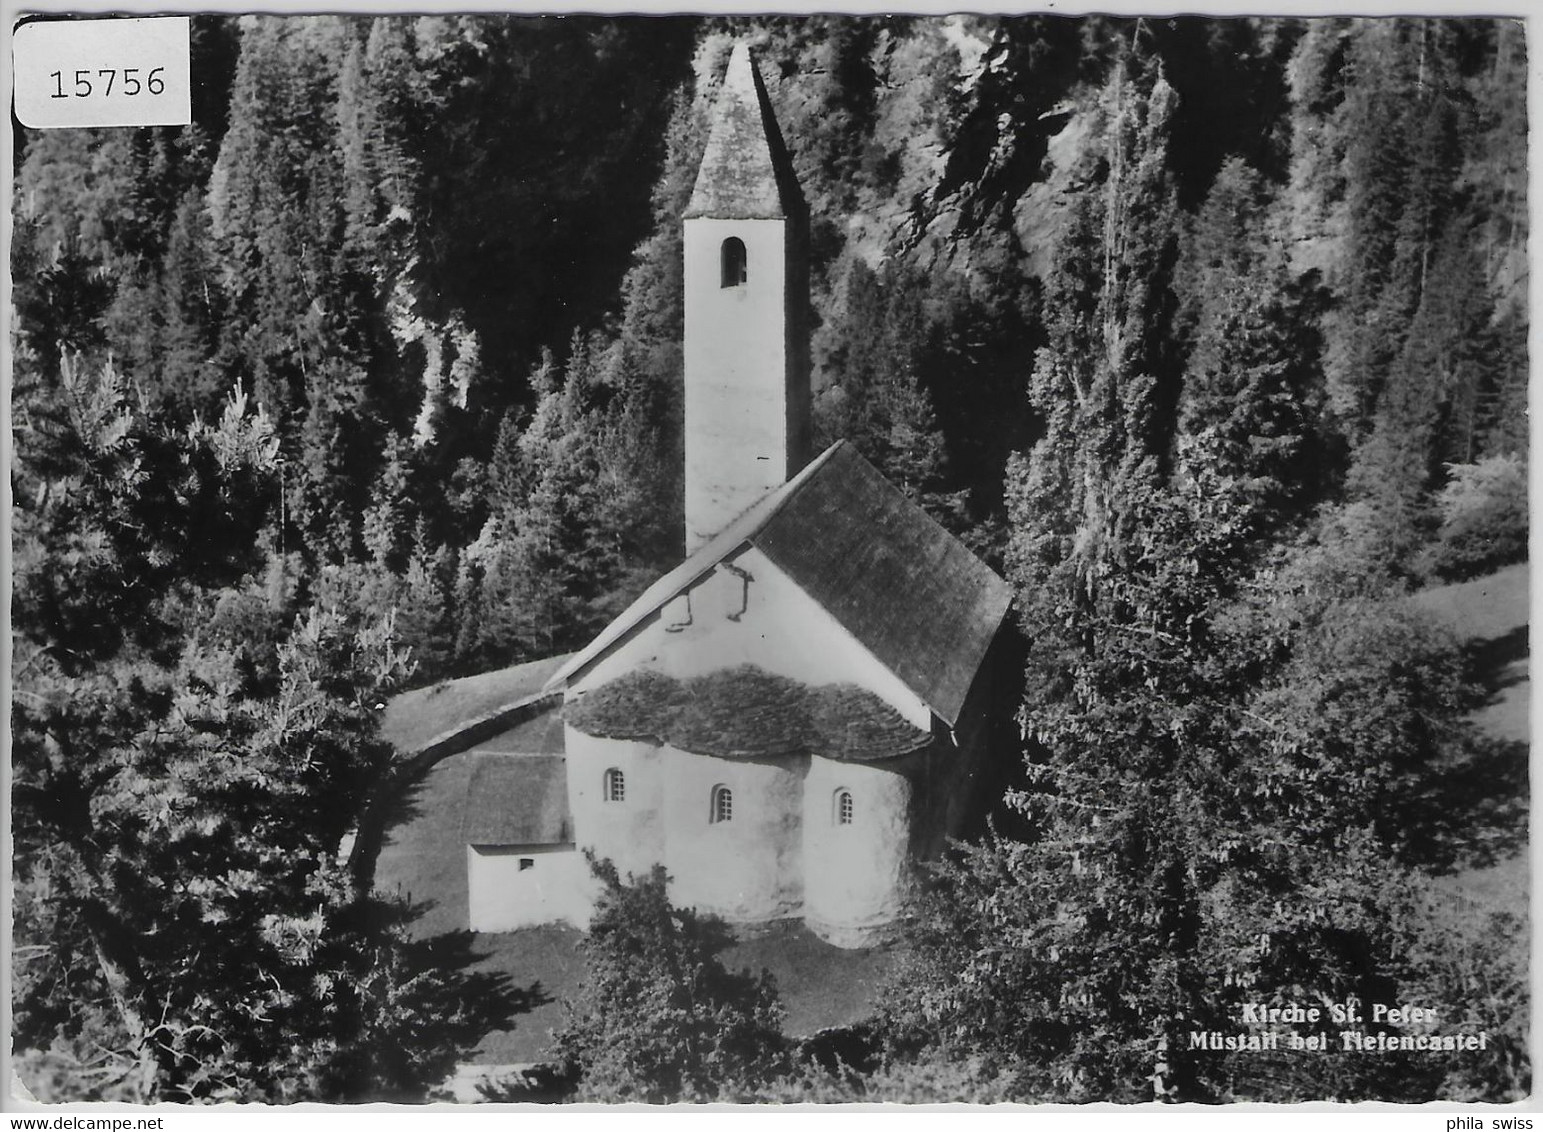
x=750 y=869
x=736 y=364
x=768 y=621
x=502 y=897
x=629 y=832
x=855 y=875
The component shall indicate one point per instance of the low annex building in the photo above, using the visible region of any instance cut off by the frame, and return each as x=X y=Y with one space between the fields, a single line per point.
x=796 y=714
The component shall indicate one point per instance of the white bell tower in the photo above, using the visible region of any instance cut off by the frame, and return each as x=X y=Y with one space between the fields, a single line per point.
x=746 y=305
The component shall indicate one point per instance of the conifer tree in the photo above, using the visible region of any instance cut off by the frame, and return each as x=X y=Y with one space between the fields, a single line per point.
x=1426 y=417
x=1398 y=125
x=1249 y=407
x=1099 y=384
x=881 y=404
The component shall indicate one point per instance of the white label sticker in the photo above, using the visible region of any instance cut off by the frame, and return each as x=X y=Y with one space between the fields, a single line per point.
x=102 y=73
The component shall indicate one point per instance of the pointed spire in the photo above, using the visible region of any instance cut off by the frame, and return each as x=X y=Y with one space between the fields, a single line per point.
x=745 y=171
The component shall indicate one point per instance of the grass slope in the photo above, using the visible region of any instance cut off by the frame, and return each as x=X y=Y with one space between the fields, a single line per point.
x=1490 y=615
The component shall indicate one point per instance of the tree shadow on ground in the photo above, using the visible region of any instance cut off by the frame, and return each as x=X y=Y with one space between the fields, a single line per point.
x=1476 y=803
x=1476 y=807
x=536 y=1084
x=1493 y=664
x=459 y=1002
x=405 y=803
x=490 y=1000
x=421 y=1005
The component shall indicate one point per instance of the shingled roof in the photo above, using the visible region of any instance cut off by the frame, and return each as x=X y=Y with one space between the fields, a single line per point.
x=517 y=800
x=471 y=709
x=909 y=591
x=745 y=171
x=746 y=712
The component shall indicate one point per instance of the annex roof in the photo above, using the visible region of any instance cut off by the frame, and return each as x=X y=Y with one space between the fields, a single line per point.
x=745 y=171
x=416 y=719
x=517 y=800
x=910 y=592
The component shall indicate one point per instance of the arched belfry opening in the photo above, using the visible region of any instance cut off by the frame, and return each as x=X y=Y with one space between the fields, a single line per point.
x=736 y=268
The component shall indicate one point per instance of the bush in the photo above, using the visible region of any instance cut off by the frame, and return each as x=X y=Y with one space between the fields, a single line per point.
x=659 y=1019
x=1483 y=518
x=1466 y=952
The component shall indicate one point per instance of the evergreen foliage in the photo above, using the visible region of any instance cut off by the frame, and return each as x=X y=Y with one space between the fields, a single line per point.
x=1251 y=402
x=880 y=404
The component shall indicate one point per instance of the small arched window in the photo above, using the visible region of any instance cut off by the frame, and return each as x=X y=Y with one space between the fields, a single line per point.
x=615 y=786
x=736 y=268
x=723 y=804
x=844 y=807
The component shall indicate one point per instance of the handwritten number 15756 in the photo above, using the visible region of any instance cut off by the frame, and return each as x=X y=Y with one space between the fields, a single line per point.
x=153 y=82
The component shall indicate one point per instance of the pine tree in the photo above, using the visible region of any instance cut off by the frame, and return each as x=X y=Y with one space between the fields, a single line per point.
x=1249 y=407
x=1398 y=127
x=389 y=522
x=1427 y=415
x=1099 y=384
x=193 y=301
x=879 y=402
x=584 y=515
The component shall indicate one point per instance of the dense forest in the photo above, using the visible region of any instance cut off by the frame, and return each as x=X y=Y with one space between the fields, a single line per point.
x=1210 y=335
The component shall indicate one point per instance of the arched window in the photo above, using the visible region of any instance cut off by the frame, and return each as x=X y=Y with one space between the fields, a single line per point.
x=736 y=268
x=615 y=786
x=723 y=804
x=843 y=807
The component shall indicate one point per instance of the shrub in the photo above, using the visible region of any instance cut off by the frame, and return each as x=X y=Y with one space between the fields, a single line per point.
x=659 y=1019
x=1483 y=518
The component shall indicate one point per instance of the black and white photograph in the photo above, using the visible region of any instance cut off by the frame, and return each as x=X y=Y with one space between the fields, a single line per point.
x=772 y=560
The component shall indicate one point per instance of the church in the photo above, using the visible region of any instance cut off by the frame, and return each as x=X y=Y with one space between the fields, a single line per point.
x=797 y=714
